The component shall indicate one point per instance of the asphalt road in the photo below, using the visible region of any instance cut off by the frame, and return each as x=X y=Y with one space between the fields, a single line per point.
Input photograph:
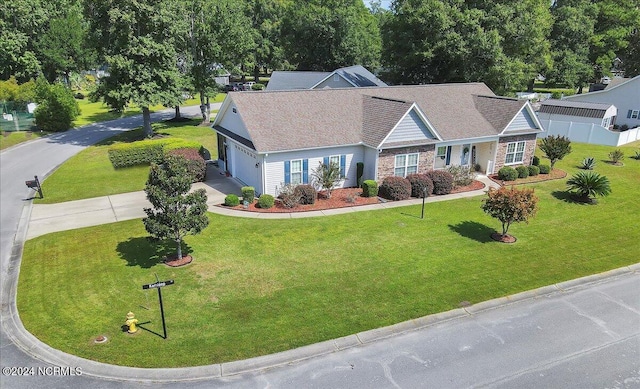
x=585 y=337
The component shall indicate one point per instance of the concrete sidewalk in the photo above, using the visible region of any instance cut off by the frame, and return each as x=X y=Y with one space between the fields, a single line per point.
x=47 y=218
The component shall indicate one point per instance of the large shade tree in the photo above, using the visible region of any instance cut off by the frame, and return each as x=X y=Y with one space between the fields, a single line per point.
x=138 y=40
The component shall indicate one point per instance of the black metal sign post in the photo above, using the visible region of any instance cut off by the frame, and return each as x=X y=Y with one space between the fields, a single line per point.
x=158 y=285
x=35 y=184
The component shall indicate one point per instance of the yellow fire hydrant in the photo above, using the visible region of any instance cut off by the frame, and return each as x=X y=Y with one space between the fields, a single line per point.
x=131 y=322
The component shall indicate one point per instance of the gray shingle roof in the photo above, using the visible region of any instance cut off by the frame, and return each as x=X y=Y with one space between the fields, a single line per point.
x=305 y=119
x=574 y=108
x=284 y=80
x=360 y=76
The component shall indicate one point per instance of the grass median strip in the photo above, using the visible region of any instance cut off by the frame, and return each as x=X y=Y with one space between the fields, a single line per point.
x=262 y=286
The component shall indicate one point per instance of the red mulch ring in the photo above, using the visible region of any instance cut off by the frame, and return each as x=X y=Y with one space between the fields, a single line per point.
x=340 y=198
x=174 y=261
x=503 y=238
x=553 y=175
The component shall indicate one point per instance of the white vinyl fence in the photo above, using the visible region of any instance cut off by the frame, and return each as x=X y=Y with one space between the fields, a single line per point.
x=589 y=133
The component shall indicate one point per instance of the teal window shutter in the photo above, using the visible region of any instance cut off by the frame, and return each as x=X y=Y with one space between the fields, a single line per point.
x=325 y=160
x=287 y=172
x=343 y=165
x=305 y=171
x=629 y=114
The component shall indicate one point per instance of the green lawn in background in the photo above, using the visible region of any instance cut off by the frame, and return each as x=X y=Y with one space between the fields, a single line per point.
x=259 y=286
x=90 y=173
x=8 y=139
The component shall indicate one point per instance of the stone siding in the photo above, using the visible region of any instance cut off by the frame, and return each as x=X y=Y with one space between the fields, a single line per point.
x=529 y=149
x=386 y=159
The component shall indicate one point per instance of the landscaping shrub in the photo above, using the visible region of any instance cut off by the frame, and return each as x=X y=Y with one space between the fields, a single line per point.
x=79 y=96
x=545 y=169
x=248 y=193
x=418 y=183
x=535 y=161
x=369 y=188
x=442 y=181
x=144 y=152
x=288 y=195
x=231 y=200
x=306 y=193
x=57 y=109
x=196 y=164
x=359 y=173
x=257 y=86
x=534 y=170
x=588 y=163
x=616 y=156
x=507 y=173
x=523 y=171
x=266 y=201
x=462 y=175
x=395 y=188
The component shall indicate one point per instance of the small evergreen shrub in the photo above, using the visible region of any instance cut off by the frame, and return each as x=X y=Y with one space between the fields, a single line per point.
x=523 y=171
x=359 y=173
x=418 y=183
x=369 y=188
x=395 y=188
x=616 y=156
x=535 y=161
x=307 y=194
x=248 y=193
x=196 y=165
x=442 y=181
x=79 y=96
x=288 y=195
x=462 y=175
x=507 y=173
x=588 y=163
x=231 y=200
x=534 y=170
x=545 y=169
x=257 y=86
x=266 y=201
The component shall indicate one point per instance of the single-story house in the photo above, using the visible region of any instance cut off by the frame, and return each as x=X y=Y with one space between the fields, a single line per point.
x=600 y=114
x=349 y=77
x=624 y=94
x=267 y=139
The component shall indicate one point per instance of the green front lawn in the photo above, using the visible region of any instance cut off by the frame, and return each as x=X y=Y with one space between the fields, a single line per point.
x=8 y=139
x=259 y=286
x=90 y=173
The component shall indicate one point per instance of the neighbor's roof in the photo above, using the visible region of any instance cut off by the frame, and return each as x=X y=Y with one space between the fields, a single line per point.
x=574 y=108
x=356 y=75
x=305 y=119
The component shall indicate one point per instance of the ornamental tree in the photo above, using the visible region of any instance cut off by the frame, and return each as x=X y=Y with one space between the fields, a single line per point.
x=327 y=177
x=510 y=205
x=555 y=148
x=175 y=212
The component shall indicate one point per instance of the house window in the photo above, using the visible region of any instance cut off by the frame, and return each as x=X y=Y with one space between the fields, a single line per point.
x=296 y=171
x=339 y=160
x=442 y=152
x=515 y=153
x=635 y=114
x=406 y=164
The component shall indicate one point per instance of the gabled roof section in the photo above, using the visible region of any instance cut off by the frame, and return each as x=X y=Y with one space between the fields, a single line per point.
x=609 y=88
x=359 y=76
x=379 y=116
x=285 y=80
x=499 y=111
x=574 y=108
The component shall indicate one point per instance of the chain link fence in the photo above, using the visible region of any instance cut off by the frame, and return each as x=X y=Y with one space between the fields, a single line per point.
x=16 y=116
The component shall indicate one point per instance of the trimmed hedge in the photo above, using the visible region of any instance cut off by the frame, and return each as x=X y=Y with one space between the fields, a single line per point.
x=306 y=193
x=507 y=173
x=231 y=200
x=248 y=193
x=369 y=188
x=442 y=181
x=196 y=164
x=266 y=201
x=144 y=152
x=535 y=161
x=534 y=170
x=418 y=182
x=523 y=171
x=395 y=188
x=545 y=169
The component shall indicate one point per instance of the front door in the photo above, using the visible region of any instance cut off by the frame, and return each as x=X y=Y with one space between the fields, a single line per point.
x=464 y=155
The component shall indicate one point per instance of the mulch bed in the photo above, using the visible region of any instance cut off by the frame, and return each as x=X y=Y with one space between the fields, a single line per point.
x=174 y=261
x=340 y=198
x=553 y=175
x=503 y=238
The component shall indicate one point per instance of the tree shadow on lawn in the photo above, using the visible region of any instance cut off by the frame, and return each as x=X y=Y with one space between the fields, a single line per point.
x=473 y=230
x=147 y=252
x=567 y=197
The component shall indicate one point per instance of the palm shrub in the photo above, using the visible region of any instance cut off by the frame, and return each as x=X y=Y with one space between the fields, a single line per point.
x=588 y=163
x=534 y=170
x=442 y=181
x=420 y=183
x=616 y=156
x=586 y=185
x=507 y=173
x=523 y=171
x=395 y=188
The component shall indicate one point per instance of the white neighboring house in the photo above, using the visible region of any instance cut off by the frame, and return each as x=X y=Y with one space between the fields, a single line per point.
x=266 y=139
x=356 y=76
x=583 y=122
x=624 y=95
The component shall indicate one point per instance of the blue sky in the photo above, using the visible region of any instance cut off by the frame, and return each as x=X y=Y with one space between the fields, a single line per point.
x=385 y=3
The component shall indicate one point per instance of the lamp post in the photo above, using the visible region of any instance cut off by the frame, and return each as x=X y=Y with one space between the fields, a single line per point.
x=424 y=194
